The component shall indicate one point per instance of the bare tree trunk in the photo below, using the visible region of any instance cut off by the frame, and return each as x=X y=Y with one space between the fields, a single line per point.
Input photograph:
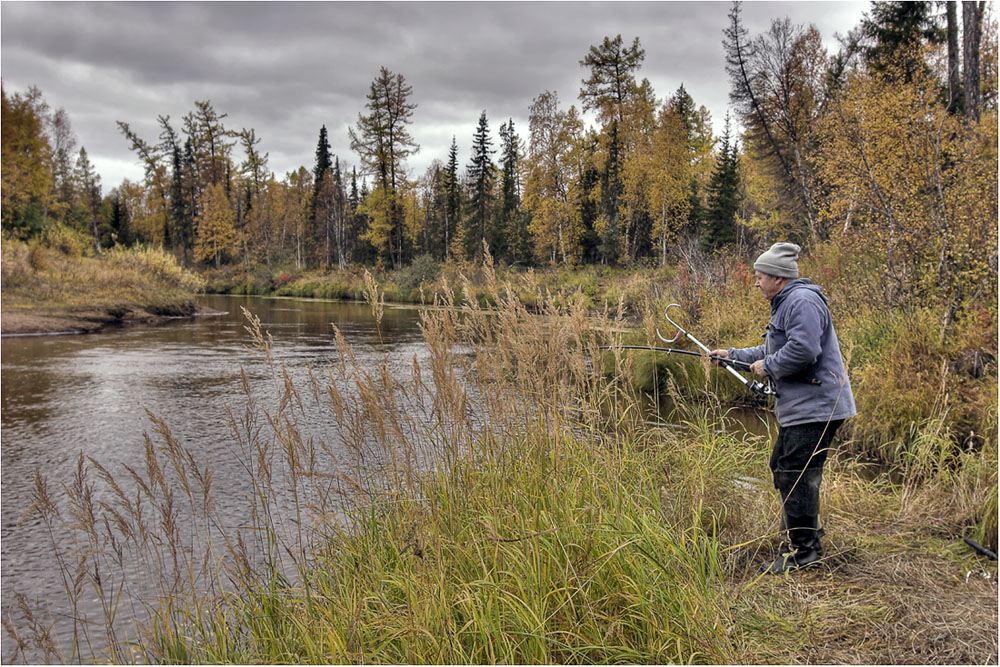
x=663 y=235
x=953 y=57
x=562 y=244
x=97 y=236
x=326 y=228
x=972 y=32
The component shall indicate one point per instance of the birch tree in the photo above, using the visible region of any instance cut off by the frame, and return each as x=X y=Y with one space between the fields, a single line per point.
x=550 y=184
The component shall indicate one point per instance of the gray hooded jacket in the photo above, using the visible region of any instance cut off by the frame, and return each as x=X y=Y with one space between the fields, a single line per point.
x=802 y=355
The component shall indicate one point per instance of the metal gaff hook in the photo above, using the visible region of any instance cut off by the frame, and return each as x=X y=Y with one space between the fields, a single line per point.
x=680 y=330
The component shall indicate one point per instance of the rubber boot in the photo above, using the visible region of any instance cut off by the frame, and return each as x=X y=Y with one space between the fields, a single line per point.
x=800 y=504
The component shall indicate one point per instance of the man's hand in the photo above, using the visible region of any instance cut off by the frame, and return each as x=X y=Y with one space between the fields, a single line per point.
x=758 y=368
x=715 y=355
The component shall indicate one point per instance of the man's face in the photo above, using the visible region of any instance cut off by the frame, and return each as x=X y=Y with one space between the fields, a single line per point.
x=769 y=285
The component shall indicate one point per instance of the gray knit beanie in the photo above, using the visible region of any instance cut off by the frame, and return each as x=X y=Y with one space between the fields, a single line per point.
x=781 y=260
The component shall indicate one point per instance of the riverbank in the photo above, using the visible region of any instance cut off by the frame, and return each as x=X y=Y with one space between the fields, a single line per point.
x=55 y=288
x=600 y=287
x=39 y=324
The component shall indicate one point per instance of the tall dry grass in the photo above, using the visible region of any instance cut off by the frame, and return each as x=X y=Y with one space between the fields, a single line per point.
x=52 y=275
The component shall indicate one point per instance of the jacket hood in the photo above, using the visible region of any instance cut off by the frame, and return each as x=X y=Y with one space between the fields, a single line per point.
x=798 y=283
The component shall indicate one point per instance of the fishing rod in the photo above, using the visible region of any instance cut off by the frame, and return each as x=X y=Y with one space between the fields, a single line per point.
x=742 y=365
x=756 y=386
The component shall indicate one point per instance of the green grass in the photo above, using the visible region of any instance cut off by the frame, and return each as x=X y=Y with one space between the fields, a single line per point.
x=555 y=551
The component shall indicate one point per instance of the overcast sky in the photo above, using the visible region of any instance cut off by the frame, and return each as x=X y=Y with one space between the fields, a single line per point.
x=285 y=69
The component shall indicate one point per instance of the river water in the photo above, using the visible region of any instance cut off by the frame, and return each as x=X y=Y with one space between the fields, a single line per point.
x=67 y=395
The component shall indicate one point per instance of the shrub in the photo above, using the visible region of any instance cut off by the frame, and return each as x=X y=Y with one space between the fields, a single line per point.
x=156 y=264
x=67 y=241
x=422 y=271
x=16 y=265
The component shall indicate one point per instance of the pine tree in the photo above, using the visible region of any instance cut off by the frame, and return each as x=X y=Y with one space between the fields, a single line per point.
x=612 y=84
x=972 y=33
x=723 y=196
x=612 y=77
x=383 y=143
x=480 y=175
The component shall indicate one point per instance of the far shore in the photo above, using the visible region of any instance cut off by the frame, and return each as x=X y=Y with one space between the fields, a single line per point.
x=21 y=323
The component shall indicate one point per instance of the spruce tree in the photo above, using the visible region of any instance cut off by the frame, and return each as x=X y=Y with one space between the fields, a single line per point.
x=324 y=160
x=723 y=196
x=318 y=212
x=437 y=211
x=898 y=30
x=120 y=221
x=88 y=186
x=181 y=215
x=611 y=191
x=453 y=207
x=590 y=208
x=341 y=231
x=363 y=251
x=480 y=175
x=510 y=231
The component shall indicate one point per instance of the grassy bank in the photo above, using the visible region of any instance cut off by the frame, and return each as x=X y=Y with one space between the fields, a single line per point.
x=57 y=284
x=504 y=503
x=640 y=550
x=600 y=286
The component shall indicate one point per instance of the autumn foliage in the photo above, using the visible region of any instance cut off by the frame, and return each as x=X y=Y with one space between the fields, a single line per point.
x=912 y=190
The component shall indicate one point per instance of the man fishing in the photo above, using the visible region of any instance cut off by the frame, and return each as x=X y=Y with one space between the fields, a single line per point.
x=801 y=355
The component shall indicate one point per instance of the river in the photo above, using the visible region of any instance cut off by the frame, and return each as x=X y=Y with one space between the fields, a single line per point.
x=67 y=395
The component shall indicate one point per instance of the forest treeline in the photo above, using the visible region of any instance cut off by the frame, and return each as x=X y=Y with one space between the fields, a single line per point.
x=887 y=147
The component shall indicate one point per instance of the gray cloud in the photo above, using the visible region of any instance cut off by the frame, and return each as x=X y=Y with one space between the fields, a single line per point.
x=284 y=69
